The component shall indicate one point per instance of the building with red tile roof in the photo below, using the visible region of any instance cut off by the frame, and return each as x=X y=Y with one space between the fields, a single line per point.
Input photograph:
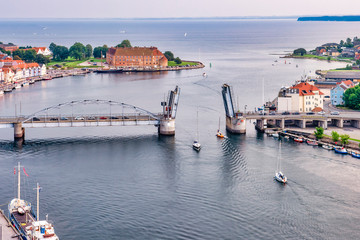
x=144 y=57
x=302 y=97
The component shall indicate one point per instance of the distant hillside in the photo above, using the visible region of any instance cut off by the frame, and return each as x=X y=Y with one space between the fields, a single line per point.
x=331 y=18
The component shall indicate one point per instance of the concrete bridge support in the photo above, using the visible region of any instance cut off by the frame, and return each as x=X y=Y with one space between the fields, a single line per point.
x=355 y=123
x=236 y=125
x=338 y=122
x=321 y=123
x=280 y=123
x=19 y=131
x=300 y=123
x=167 y=127
x=259 y=124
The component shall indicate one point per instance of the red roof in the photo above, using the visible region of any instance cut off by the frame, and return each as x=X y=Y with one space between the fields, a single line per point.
x=348 y=83
x=306 y=89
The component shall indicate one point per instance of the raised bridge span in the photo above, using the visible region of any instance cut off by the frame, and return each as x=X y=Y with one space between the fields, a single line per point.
x=94 y=113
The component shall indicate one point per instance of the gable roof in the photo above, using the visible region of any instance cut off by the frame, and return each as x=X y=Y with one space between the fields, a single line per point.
x=135 y=51
x=306 y=89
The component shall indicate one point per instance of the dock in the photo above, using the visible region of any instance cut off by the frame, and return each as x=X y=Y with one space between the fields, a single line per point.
x=7 y=231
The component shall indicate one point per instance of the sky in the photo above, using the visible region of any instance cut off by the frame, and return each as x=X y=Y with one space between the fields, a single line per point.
x=175 y=8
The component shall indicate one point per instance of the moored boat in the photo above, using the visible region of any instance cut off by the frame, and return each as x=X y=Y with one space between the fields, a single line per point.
x=299 y=139
x=312 y=142
x=8 y=90
x=26 y=83
x=196 y=145
x=327 y=147
x=340 y=150
x=1 y=92
x=355 y=154
x=17 y=86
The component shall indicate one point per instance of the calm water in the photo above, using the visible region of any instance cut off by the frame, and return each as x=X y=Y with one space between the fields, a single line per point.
x=128 y=183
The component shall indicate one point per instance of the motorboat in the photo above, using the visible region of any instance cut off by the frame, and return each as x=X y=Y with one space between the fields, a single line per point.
x=1 y=92
x=341 y=150
x=312 y=142
x=355 y=154
x=299 y=139
x=275 y=135
x=280 y=177
x=26 y=83
x=327 y=147
x=17 y=86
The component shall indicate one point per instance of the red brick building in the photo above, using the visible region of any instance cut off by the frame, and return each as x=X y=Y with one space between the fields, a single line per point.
x=8 y=47
x=136 y=57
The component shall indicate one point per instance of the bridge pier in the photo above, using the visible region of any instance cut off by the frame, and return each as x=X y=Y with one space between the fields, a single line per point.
x=259 y=125
x=338 y=122
x=280 y=123
x=167 y=127
x=321 y=123
x=19 y=131
x=355 y=123
x=236 y=125
x=301 y=123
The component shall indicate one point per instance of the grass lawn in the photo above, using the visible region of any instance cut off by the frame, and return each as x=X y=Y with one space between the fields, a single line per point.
x=172 y=63
x=320 y=57
x=73 y=63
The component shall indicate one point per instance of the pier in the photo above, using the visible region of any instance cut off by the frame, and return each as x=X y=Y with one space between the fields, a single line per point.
x=69 y=114
x=7 y=231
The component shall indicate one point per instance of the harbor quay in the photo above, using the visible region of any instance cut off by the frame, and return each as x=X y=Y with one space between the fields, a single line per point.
x=7 y=231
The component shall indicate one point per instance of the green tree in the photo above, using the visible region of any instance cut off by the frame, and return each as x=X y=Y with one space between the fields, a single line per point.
x=300 y=51
x=29 y=55
x=6 y=52
x=335 y=136
x=97 y=52
x=348 y=43
x=60 y=53
x=328 y=58
x=319 y=133
x=89 y=51
x=19 y=53
x=169 y=55
x=342 y=43
x=41 y=59
x=351 y=97
x=124 y=43
x=52 y=46
x=16 y=57
x=77 y=51
x=178 y=60
x=344 y=139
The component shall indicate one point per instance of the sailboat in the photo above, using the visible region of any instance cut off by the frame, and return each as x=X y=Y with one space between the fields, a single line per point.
x=219 y=134
x=196 y=145
x=279 y=176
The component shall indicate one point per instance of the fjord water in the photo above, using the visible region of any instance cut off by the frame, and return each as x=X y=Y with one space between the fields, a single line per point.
x=128 y=183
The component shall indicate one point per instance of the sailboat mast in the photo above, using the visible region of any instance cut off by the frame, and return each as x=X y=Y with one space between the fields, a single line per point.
x=19 y=180
x=219 y=123
x=38 y=201
x=197 y=125
x=280 y=156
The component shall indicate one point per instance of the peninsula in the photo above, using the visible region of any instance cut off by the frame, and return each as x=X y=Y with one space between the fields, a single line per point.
x=331 y=18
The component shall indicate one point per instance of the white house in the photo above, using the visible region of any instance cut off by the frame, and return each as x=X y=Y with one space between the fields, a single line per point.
x=42 y=50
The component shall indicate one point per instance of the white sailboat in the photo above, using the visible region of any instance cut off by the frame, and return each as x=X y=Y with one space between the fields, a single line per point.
x=196 y=144
x=279 y=176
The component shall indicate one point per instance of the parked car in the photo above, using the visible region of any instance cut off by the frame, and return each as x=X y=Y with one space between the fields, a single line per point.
x=321 y=113
x=272 y=113
x=64 y=118
x=79 y=118
x=285 y=113
x=103 y=118
x=36 y=119
x=114 y=118
x=91 y=118
x=310 y=113
x=335 y=113
x=53 y=119
x=295 y=113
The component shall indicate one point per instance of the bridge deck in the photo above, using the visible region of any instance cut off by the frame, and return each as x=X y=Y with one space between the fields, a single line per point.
x=89 y=121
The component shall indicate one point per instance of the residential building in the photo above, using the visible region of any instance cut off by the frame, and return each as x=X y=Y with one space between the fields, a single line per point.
x=2 y=75
x=337 y=93
x=9 y=47
x=320 y=51
x=333 y=52
x=348 y=52
x=303 y=97
x=144 y=57
x=41 y=50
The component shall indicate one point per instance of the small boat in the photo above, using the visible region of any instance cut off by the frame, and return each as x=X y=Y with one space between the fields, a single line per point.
x=312 y=142
x=341 y=150
x=25 y=83
x=8 y=90
x=32 y=81
x=204 y=75
x=355 y=154
x=287 y=137
x=17 y=86
x=279 y=176
x=218 y=133
x=275 y=135
x=327 y=147
x=47 y=78
x=299 y=139
x=196 y=145
x=1 y=92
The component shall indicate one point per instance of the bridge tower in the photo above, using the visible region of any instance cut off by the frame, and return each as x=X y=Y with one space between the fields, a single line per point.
x=167 y=122
x=235 y=121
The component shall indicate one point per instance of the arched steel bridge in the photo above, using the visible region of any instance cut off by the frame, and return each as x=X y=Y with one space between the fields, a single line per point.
x=98 y=113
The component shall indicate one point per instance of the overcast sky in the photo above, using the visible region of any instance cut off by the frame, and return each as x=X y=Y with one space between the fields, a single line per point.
x=174 y=8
